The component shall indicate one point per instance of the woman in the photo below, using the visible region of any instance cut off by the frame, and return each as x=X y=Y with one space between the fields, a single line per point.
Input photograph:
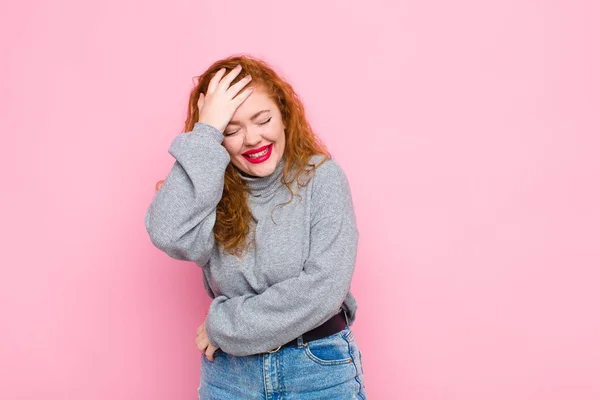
x=255 y=200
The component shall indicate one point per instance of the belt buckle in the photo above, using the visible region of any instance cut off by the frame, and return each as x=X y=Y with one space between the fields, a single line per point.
x=273 y=351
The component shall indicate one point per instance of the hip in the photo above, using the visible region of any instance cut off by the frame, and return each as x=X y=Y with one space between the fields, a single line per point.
x=330 y=366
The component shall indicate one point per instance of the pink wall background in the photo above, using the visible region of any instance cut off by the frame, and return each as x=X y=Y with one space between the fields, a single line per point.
x=469 y=131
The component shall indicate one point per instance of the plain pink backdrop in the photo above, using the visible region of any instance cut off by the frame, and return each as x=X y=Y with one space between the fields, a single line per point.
x=469 y=131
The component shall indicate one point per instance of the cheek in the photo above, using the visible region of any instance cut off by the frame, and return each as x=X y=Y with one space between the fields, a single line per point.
x=282 y=137
x=276 y=133
x=232 y=145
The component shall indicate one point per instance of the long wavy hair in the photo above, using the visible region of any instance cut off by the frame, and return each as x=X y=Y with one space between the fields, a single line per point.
x=233 y=222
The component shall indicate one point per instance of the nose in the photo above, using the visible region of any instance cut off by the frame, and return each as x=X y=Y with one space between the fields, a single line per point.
x=251 y=138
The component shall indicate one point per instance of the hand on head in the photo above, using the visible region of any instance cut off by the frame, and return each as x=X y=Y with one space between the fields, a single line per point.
x=221 y=100
x=218 y=106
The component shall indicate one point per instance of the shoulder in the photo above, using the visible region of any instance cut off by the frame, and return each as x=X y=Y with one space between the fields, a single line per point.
x=330 y=193
x=328 y=171
x=329 y=179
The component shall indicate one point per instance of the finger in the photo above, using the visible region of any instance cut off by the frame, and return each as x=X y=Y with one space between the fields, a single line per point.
x=200 y=344
x=159 y=184
x=240 y=98
x=234 y=89
x=214 y=82
x=199 y=330
x=210 y=353
x=226 y=81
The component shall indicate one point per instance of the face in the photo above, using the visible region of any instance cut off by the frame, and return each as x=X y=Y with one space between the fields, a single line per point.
x=255 y=138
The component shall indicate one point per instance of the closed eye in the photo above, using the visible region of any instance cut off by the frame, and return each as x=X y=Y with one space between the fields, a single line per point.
x=234 y=132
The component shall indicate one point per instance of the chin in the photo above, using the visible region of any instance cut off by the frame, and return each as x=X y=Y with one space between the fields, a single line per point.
x=260 y=170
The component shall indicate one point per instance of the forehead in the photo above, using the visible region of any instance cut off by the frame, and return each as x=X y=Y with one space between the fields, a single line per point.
x=257 y=101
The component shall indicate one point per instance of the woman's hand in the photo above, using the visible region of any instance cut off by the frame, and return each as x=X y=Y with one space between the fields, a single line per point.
x=220 y=102
x=217 y=107
x=203 y=344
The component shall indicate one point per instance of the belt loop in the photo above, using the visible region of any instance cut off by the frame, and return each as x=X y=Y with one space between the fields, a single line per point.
x=274 y=350
x=345 y=316
x=300 y=341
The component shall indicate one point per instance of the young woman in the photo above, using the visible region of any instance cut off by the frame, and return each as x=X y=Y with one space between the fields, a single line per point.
x=256 y=201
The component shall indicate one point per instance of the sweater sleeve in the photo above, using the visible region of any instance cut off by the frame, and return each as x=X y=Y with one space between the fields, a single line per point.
x=255 y=323
x=182 y=214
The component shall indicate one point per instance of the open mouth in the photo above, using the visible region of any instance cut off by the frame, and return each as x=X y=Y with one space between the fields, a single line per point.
x=260 y=156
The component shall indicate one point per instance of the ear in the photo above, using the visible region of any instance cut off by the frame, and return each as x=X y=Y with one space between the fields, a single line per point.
x=200 y=103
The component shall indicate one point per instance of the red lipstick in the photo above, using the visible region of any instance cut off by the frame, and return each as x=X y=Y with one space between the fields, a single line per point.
x=263 y=158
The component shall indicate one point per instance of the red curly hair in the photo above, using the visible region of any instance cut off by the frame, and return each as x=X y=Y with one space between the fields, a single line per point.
x=232 y=226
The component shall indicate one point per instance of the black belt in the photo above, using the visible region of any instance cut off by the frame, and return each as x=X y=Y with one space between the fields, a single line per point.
x=329 y=327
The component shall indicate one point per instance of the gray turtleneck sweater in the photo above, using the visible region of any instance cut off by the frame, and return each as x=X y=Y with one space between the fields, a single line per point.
x=297 y=275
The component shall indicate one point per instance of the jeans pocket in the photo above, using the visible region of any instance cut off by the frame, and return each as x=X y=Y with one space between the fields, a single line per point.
x=330 y=350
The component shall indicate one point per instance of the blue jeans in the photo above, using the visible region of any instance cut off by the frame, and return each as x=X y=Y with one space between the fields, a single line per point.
x=327 y=368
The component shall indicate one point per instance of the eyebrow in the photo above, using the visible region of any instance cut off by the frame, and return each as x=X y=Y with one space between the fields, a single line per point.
x=235 y=122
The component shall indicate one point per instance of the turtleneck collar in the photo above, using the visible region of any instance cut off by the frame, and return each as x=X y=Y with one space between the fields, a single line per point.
x=264 y=185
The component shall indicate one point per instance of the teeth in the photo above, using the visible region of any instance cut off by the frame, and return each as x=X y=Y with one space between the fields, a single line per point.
x=257 y=155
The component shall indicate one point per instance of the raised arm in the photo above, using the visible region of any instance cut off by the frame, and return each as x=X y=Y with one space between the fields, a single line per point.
x=251 y=324
x=182 y=214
